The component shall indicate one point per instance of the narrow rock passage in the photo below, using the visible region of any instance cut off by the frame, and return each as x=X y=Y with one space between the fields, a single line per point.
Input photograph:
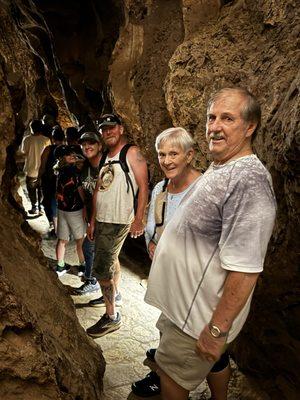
x=124 y=350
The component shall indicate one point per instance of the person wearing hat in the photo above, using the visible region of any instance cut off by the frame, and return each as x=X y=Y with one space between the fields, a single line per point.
x=70 y=205
x=113 y=215
x=91 y=146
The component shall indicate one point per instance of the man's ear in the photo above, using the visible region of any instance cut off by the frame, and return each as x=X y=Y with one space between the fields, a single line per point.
x=251 y=128
x=121 y=130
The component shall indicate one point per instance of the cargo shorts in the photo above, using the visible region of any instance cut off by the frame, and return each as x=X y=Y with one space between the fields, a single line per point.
x=109 y=239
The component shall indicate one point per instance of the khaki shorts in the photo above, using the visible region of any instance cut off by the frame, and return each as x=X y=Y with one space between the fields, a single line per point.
x=176 y=356
x=109 y=239
x=70 y=222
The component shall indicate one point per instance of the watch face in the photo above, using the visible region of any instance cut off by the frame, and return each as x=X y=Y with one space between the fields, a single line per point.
x=215 y=331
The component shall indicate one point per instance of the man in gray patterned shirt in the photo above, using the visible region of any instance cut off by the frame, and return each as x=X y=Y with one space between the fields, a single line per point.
x=211 y=253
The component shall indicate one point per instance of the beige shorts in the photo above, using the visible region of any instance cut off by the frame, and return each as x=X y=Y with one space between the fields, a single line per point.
x=70 y=222
x=176 y=356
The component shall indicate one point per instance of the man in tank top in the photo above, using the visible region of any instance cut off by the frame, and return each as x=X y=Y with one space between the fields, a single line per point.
x=113 y=217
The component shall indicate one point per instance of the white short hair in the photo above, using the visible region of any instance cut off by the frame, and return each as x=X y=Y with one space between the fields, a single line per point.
x=176 y=136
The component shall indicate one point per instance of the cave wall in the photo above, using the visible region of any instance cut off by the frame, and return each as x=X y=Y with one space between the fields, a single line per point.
x=172 y=64
x=155 y=62
x=44 y=352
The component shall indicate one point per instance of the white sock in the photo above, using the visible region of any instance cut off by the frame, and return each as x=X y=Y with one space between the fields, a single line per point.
x=113 y=316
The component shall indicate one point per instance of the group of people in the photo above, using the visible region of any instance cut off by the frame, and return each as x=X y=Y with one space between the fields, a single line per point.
x=207 y=235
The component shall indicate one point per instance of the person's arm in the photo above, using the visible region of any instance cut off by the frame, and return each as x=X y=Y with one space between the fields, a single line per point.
x=81 y=194
x=44 y=159
x=237 y=289
x=139 y=168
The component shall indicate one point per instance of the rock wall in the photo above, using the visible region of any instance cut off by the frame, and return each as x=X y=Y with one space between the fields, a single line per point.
x=207 y=45
x=155 y=62
x=44 y=352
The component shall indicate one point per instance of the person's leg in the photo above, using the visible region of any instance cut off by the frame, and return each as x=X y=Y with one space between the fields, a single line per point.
x=47 y=202
x=40 y=197
x=109 y=292
x=60 y=251
x=88 y=248
x=63 y=233
x=31 y=189
x=79 y=250
x=170 y=390
x=117 y=275
x=219 y=377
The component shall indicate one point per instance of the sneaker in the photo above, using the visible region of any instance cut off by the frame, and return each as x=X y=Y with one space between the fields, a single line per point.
x=81 y=270
x=101 y=303
x=88 y=287
x=62 y=270
x=150 y=354
x=104 y=325
x=147 y=387
x=33 y=210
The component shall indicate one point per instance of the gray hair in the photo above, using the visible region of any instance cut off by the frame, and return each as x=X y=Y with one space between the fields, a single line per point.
x=177 y=137
x=251 y=111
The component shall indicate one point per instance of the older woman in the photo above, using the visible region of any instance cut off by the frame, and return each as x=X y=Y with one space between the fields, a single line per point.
x=175 y=148
x=175 y=154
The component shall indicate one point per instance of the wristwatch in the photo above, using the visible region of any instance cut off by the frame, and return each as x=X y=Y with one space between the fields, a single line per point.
x=216 y=332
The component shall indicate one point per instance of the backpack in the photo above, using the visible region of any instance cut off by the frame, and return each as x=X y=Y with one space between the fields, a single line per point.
x=159 y=210
x=122 y=161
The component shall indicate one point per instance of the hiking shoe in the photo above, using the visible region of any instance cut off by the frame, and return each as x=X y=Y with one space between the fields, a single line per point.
x=88 y=287
x=150 y=354
x=33 y=210
x=147 y=387
x=62 y=270
x=81 y=270
x=104 y=325
x=101 y=303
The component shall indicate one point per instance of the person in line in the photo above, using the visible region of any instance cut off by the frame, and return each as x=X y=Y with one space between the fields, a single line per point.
x=207 y=262
x=47 y=178
x=175 y=148
x=72 y=136
x=92 y=150
x=70 y=205
x=113 y=216
x=32 y=147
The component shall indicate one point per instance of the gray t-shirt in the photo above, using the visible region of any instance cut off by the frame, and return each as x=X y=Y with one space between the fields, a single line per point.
x=224 y=224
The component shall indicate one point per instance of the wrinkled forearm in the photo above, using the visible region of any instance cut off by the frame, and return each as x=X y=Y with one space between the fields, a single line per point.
x=237 y=289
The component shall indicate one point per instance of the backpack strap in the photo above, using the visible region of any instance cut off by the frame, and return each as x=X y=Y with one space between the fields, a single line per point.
x=125 y=168
x=160 y=210
x=102 y=160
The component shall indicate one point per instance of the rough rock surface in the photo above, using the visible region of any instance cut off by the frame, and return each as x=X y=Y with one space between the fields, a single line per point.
x=253 y=44
x=44 y=352
x=156 y=62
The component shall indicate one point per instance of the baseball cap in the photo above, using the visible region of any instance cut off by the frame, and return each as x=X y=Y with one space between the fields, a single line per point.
x=108 y=120
x=89 y=137
x=65 y=150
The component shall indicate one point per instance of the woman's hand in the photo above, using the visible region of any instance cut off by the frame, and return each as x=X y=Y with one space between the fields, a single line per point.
x=151 y=249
